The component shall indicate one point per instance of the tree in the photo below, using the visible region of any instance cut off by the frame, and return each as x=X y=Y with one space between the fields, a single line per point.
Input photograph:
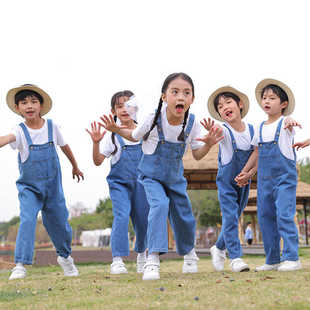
x=206 y=207
x=304 y=166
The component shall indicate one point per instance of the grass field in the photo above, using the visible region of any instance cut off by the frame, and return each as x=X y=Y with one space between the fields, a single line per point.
x=95 y=288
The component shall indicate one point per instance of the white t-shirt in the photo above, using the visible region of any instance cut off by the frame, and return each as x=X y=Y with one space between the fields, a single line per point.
x=107 y=147
x=285 y=139
x=243 y=142
x=38 y=136
x=171 y=133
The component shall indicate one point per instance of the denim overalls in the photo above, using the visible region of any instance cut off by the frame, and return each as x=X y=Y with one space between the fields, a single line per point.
x=276 y=200
x=40 y=189
x=128 y=199
x=161 y=174
x=232 y=198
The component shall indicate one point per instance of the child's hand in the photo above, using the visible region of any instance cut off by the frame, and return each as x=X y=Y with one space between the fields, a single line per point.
x=242 y=179
x=76 y=172
x=301 y=145
x=207 y=124
x=214 y=136
x=95 y=132
x=109 y=123
x=289 y=123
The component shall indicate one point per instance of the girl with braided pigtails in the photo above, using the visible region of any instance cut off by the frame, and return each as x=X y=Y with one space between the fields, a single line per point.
x=166 y=135
x=127 y=194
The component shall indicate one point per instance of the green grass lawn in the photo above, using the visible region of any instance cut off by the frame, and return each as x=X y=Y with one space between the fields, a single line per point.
x=95 y=288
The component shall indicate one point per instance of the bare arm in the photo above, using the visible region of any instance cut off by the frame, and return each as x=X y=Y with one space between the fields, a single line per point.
x=248 y=170
x=4 y=140
x=301 y=145
x=109 y=124
x=96 y=137
x=75 y=170
x=214 y=136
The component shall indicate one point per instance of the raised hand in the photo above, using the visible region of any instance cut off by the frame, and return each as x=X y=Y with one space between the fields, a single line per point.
x=289 y=123
x=301 y=145
x=109 y=124
x=207 y=124
x=95 y=132
x=214 y=136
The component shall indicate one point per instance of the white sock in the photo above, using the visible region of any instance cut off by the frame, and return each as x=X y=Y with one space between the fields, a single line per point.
x=19 y=265
x=191 y=254
x=141 y=256
x=153 y=257
x=117 y=259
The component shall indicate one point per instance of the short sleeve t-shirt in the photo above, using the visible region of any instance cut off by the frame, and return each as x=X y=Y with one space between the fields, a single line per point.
x=243 y=142
x=171 y=133
x=285 y=139
x=38 y=136
x=107 y=147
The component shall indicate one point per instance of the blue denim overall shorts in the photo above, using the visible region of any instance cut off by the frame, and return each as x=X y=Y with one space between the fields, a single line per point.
x=232 y=198
x=161 y=174
x=128 y=200
x=40 y=189
x=276 y=200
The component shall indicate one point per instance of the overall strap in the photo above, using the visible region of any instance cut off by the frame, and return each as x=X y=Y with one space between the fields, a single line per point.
x=120 y=140
x=50 y=130
x=26 y=133
x=251 y=129
x=233 y=140
x=160 y=129
x=277 y=135
x=260 y=132
x=189 y=125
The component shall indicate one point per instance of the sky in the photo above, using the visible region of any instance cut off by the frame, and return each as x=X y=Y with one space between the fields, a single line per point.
x=82 y=52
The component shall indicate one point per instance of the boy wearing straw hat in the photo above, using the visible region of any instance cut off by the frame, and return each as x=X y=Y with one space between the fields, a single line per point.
x=230 y=106
x=39 y=185
x=276 y=176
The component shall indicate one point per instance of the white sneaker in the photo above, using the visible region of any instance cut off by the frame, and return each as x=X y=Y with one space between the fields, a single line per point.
x=151 y=271
x=118 y=267
x=190 y=263
x=218 y=258
x=140 y=263
x=267 y=267
x=67 y=264
x=238 y=265
x=289 y=265
x=18 y=272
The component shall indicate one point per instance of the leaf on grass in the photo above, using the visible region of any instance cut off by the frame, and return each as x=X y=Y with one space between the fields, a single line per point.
x=248 y=280
x=218 y=281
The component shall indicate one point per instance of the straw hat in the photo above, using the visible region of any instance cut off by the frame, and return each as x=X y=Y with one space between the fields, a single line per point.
x=291 y=100
x=47 y=101
x=243 y=98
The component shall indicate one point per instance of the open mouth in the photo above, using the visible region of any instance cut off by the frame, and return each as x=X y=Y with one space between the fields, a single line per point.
x=228 y=113
x=266 y=107
x=179 y=108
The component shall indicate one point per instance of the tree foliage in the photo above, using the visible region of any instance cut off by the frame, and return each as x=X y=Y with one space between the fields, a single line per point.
x=304 y=166
x=206 y=207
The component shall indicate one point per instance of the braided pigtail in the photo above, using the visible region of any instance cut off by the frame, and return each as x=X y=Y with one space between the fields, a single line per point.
x=181 y=136
x=113 y=138
x=154 y=120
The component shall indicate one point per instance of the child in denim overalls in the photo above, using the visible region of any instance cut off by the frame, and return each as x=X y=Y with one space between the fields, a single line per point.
x=228 y=105
x=127 y=194
x=276 y=176
x=165 y=137
x=39 y=185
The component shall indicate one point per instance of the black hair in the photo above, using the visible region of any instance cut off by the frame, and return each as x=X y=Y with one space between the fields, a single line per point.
x=114 y=101
x=276 y=90
x=23 y=94
x=167 y=81
x=226 y=94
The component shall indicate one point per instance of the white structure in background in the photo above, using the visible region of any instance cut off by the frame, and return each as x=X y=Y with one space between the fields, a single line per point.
x=96 y=238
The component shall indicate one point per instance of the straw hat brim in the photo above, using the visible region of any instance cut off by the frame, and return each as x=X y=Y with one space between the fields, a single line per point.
x=291 y=99
x=47 y=101
x=243 y=98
